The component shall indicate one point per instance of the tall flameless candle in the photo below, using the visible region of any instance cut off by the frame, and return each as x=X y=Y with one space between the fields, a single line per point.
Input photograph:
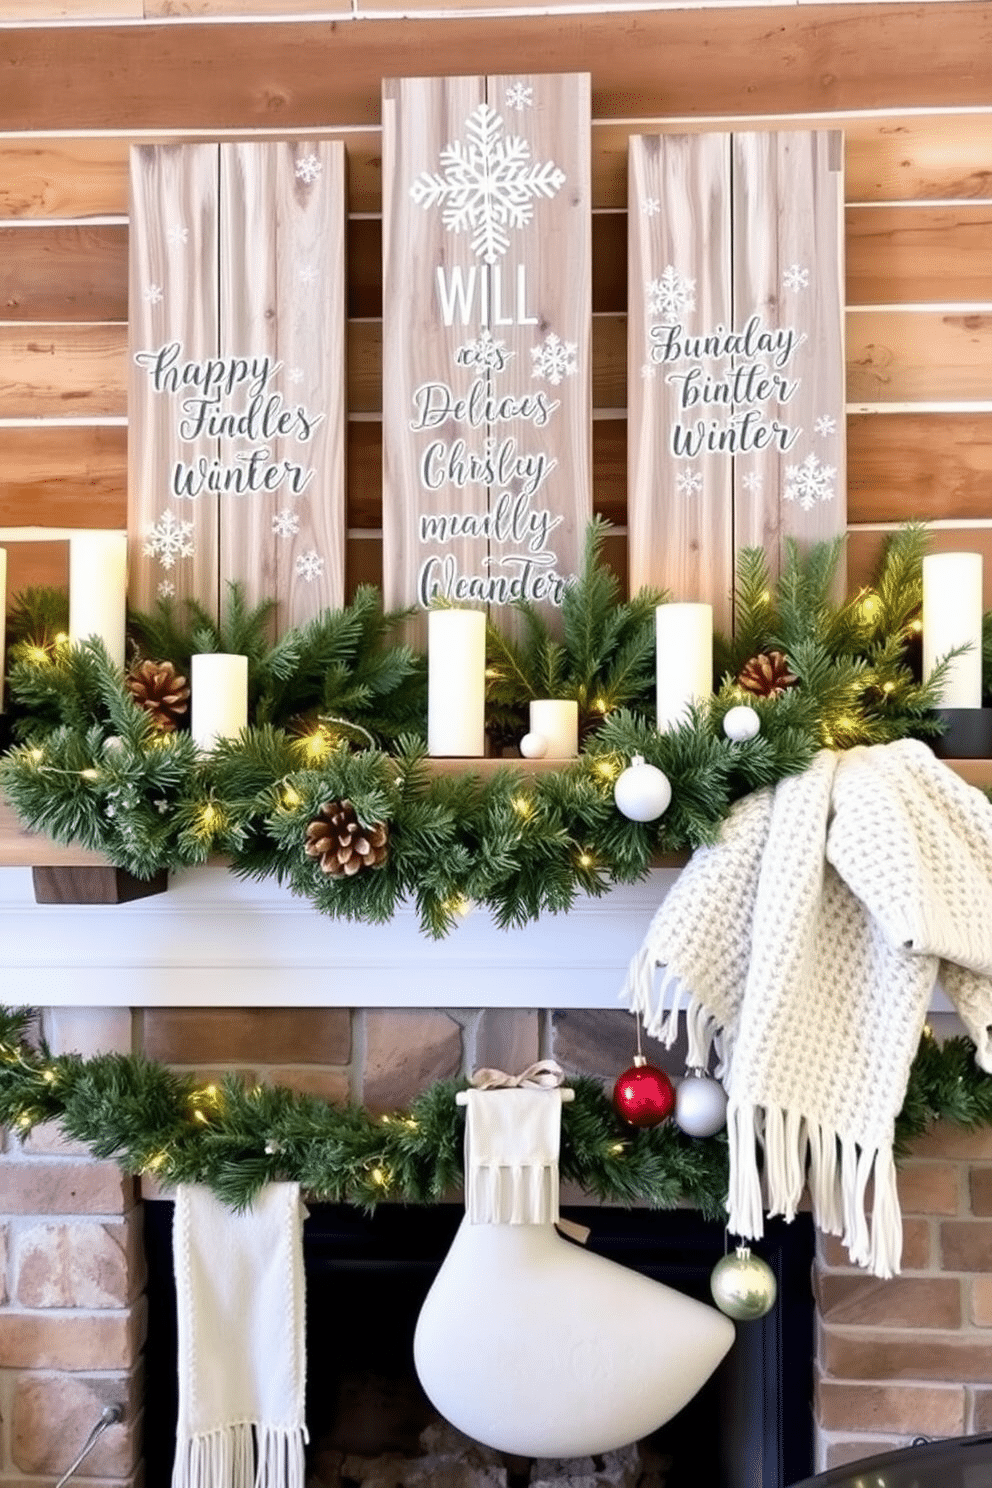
x=684 y=661
x=456 y=683
x=98 y=589
x=218 y=697
x=952 y=616
x=557 y=721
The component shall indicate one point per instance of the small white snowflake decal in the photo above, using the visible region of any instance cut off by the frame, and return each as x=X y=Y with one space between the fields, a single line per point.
x=177 y=236
x=165 y=589
x=520 y=96
x=153 y=294
x=672 y=294
x=554 y=359
x=295 y=374
x=649 y=371
x=795 y=277
x=809 y=482
x=825 y=425
x=650 y=206
x=688 y=482
x=285 y=523
x=168 y=540
x=308 y=169
x=484 y=353
x=309 y=566
x=308 y=274
x=488 y=185
x=753 y=481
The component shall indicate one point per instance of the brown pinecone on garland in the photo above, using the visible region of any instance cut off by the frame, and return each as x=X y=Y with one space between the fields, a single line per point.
x=342 y=844
x=161 y=691
x=766 y=675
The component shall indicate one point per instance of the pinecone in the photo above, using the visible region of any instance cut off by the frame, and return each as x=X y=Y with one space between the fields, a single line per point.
x=161 y=691
x=766 y=675
x=342 y=844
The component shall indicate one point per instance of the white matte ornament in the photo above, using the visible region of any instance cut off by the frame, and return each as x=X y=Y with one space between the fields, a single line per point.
x=700 y=1105
x=533 y=746
x=743 y=1286
x=741 y=723
x=643 y=792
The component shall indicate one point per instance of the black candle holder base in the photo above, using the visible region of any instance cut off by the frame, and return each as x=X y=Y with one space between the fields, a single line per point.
x=967 y=734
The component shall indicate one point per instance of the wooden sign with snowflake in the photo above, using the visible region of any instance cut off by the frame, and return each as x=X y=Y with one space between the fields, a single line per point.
x=736 y=432
x=487 y=301
x=236 y=396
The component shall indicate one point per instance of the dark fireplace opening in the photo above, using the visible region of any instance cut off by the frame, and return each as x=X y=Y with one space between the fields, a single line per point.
x=367 y=1275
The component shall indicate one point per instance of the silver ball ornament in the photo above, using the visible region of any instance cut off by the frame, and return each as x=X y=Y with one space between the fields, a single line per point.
x=642 y=792
x=700 y=1105
x=741 y=723
x=533 y=746
x=743 y=1286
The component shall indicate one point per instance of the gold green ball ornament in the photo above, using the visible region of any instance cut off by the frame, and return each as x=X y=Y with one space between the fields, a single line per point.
x=743 y=1286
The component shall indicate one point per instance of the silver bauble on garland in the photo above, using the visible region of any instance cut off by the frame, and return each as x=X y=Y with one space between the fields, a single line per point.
x=700 y=1105
x=743 y=1285
x=642 y=792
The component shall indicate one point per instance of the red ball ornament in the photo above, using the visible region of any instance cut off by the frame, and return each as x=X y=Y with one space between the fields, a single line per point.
x=643 y=1095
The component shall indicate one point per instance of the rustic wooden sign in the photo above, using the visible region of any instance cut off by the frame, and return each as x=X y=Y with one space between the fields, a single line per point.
x=236 y=406
x=487 y=301
x=736 y=433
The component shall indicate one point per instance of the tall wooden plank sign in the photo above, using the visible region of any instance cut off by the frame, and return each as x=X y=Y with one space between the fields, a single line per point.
x=735 y=354
x=487 y=302
x=236 y=396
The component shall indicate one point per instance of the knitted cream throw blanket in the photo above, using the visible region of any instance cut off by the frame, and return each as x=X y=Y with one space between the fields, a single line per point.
x=808 y=941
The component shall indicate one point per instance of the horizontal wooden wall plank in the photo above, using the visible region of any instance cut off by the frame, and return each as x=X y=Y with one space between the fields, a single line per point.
x=905 y=356
x=794 y=59
x=922 y=255
x=865 y=549
x=63 y=476
x=71 y=10
x=63 y=273
x=924 y=465
x=64 y=370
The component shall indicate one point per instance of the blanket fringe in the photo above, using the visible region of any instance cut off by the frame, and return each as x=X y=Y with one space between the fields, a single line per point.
x=242 y=1455
x=518 y=1194
x=646 y=994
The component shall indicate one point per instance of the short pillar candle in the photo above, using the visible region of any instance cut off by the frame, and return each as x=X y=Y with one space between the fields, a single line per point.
x=557 y=722
x=219 y=697
x=684 y=660
x=456 y=683
x=952 y=617
x=98 y=590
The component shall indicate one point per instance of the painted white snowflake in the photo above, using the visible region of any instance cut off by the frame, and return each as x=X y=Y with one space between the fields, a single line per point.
x=153 y=294
x=484 y=353
x=554 y=359
x=753 y=481
x=166 y=589
x=672 y=294
x=177 y=236
x=308 y=168
x=809 y=482
x=649 y=371
x=168 y=540
x=295 y=374
x=795 y=277
x=520 y=96
x=487 y=184
x=308 y=274
x=650 y=206
x=309 y=566
x=688 y=482
x=285 y=523
x=825 y=425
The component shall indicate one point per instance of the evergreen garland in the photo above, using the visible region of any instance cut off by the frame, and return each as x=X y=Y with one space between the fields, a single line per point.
x=338 y=712
x=234 y=1137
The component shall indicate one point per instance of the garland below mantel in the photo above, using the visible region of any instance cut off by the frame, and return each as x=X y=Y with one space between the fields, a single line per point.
x=235 y=1136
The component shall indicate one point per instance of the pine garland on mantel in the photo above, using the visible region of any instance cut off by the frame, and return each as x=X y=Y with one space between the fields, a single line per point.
x=234 y=1137
x=338 y=715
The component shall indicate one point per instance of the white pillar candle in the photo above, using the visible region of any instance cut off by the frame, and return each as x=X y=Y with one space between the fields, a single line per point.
x=456 y=683
x=557 y=721
x=98 y=589
x=3 y=620
x=952 y=616
x=684 y=660
x=218 y=697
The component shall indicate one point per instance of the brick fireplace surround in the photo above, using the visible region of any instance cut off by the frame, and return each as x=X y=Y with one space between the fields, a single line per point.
x=895 y=1359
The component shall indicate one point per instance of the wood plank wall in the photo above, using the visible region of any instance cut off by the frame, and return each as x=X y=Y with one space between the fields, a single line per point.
x=908 y=84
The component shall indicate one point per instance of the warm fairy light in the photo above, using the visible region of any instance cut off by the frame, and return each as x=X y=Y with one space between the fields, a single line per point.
x=90 y=774
x=24 y=1120
x=460 y=905
x=600 y=705
x=586 y=860
x=870 y=607
x=888 y=687
x=916 y=626
x=523 y=806
x=200 y=1116
x=616 y=1148
x=61 y=639
x=317 y=746
x=49 y=1076
x=209 y=817
x=290 y=797
x=607 y=769
x=379 y=1177
x=37 y=654
x=156 y=1161
x=36 y=756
